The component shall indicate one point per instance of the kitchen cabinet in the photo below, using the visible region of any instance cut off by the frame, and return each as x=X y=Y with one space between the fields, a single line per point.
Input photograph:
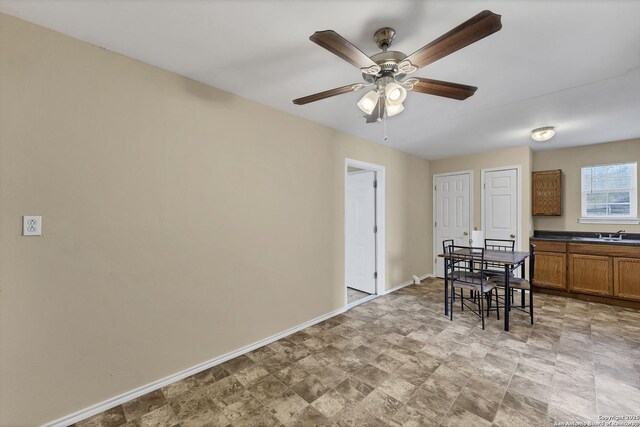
x=546 y=193
x=551 y=265
x=626 y=281
x=591 y=274
x=610 y=272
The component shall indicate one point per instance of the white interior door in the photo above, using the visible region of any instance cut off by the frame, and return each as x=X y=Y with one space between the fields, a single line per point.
x=501 y=204
x=453 y=213
x=360 y=232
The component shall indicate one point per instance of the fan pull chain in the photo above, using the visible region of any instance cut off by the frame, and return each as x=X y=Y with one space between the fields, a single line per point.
x=385 y=128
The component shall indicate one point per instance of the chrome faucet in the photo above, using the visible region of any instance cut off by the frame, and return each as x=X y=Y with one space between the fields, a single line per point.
x=618 y=233
x=612 y=236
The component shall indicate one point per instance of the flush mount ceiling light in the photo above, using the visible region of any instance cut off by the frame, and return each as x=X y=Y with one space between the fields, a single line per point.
x=543 y=134
x=387 y=71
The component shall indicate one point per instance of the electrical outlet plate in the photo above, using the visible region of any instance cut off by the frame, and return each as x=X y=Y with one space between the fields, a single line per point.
x=31 y=225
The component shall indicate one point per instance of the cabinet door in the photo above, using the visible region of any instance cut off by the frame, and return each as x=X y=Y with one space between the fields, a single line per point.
x=626 y=282
x=550 y=270
x=546 y=193
x=591 y=274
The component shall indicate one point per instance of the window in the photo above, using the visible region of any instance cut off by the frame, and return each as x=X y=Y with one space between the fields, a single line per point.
x=609 y=193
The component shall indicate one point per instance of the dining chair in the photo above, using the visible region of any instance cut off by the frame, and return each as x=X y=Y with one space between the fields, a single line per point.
x=468 y=273
x=446 y=248
x=520 y=283
x=494 y=269
x=498 y=245
x=446 y=245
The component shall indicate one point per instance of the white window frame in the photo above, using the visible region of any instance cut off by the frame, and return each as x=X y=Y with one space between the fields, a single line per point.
x=632 y=218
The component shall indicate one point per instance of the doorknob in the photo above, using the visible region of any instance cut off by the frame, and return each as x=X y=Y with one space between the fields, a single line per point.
x=513 y=236
x=465 y=234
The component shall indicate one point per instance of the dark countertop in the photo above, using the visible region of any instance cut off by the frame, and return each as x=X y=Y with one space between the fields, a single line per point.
x=629 y=239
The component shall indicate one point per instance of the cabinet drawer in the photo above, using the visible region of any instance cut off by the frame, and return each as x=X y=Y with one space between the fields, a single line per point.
x=604 y=249
x=546 y=246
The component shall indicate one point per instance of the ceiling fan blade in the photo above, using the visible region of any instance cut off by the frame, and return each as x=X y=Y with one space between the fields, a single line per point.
x=480 y=26
x=446 y=89
x=341 y=47
x=328 y=93
x=377 y=113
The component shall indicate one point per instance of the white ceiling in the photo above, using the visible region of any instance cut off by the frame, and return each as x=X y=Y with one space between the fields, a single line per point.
x=567 y=63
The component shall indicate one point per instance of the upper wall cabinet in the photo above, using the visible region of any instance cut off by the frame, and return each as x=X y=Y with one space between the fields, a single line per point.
x=546 y=193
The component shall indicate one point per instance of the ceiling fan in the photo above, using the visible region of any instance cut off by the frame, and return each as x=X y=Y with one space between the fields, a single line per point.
x=387 y=71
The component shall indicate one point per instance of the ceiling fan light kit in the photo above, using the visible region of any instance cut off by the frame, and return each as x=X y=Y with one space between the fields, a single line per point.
x=395 y=93
x=387 y=71
x=392 y=110
x=543 y=134
x=368 y=102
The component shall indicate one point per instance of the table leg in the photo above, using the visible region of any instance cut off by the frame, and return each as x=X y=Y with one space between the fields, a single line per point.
x=446 y=288
x=507 y=298
x=522 y=290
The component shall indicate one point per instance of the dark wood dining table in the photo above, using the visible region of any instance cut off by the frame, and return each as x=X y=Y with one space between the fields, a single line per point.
x=510 y=260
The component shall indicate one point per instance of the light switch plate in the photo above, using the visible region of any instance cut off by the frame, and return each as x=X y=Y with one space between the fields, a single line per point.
x=31 y=225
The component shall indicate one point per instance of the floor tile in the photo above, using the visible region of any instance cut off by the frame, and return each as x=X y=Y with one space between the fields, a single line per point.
x=310 y=388
x=380 y=405
x=175 y=389
x=267 y=388
x=261 y=417
x=513 y=412
x=109 y=418
x=161 y=417
x=398 y=361
x=190 y=403
x=286 y=406
x=459 y=417
x=144 y=404
x=397 y=388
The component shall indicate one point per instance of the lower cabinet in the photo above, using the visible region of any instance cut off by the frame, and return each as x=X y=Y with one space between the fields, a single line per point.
x=591 y=274
x=626 y=282
x=551 y=270
x=605 y=270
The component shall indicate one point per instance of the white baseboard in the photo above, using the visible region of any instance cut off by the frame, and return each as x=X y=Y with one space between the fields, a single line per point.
x=400 y=286
x=125 y=397
x=361 y=301
x=407 y=283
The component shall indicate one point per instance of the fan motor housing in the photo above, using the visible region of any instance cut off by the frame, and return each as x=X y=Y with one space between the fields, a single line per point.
x=388 y=62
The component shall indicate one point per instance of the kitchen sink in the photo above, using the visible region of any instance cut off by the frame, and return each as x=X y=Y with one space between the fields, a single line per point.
x=606 y=240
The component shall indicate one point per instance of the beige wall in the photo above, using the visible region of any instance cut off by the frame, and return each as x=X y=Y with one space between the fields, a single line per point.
x=518 y=156
x=571 y=160
x=180 y=222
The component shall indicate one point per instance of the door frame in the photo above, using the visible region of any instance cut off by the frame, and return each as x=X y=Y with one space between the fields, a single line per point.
x=519 y=184
x=380 y=223
x=434 y=214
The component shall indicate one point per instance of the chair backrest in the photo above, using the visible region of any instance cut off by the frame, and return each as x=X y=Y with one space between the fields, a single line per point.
x=532 y=262
x=500 y=245
x=446 y=245
x=470 y=268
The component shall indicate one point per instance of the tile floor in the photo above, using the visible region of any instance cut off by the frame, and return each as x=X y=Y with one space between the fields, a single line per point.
x=397 y=360
x=354 y=295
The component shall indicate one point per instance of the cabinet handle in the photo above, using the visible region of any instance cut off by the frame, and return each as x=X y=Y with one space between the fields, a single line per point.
x=513 y=236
